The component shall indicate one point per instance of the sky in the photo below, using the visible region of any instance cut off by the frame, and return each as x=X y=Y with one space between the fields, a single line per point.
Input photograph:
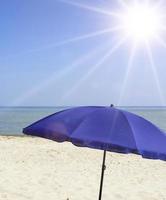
x=57 y=53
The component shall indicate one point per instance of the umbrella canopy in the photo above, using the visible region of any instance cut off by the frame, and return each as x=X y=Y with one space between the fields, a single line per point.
x=105 y=128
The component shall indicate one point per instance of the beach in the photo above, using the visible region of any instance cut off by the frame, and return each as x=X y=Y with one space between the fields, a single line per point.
x=90 y=75
x=38 y=169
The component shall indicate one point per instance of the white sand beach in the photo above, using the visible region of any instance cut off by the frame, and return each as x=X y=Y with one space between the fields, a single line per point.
x=39 y=169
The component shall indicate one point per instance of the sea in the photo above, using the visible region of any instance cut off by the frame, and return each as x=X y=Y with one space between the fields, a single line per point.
x=14 y=119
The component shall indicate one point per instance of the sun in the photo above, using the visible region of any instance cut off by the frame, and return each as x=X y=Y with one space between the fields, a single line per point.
x=141 y=22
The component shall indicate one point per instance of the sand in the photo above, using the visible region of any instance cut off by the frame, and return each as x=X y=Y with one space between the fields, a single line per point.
x=39 y=169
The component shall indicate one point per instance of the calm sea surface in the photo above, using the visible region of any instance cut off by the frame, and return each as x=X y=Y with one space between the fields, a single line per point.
x=14 y=119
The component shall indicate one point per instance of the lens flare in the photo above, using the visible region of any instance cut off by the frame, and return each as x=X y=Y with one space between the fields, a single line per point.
x=141 y=22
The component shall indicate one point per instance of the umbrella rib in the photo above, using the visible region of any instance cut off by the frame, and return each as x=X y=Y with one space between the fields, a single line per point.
x=85 y=118
x=131 y=130
x=140 y=153
x=105 y=143
x=48 y=117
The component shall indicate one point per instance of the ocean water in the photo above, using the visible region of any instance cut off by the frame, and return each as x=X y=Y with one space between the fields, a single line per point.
x=14 y=119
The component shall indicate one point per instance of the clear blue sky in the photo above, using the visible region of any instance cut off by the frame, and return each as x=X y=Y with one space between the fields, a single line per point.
x=42 y=65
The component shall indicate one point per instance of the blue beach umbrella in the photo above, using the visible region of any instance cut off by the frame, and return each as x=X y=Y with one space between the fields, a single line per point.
x=105 y=128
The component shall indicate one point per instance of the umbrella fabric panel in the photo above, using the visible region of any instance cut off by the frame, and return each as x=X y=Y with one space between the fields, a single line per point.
x=150 y=140
x=60 y=125
x=105 y=129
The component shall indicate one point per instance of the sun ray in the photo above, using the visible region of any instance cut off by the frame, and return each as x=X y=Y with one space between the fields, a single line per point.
x=159 y=3
x=161 y=41
x=87 y=7
x=93 y=34
x=95 y=67
x=155 y=74
x=123 y=4
x=163 y=28
x=126 y=77
x=55 y=77
x=68 y=41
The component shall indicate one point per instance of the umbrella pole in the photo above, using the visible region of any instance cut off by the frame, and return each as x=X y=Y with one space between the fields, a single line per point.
x=102 y=174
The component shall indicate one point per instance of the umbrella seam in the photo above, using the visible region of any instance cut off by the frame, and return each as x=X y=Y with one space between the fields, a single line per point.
x=85 y=119
x=131 y=129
